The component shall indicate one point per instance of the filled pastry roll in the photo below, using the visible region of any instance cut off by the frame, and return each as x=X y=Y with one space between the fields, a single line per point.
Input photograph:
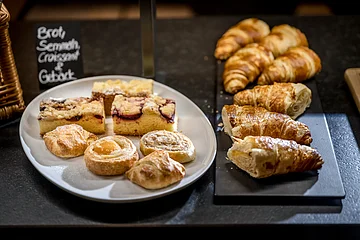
x=68 y=141
x=288 y=98
x=263 y=156
x=296 y=65
x=243 y=121
x=179 y=146
x=111 y=155
x=156 y=170
x=246 y=31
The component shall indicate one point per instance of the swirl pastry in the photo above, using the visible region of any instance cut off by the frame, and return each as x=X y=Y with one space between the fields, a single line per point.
x=156 y=170
x=288 y=98
x=111 y=155
x=296 y=65
x=246 y=31
x=179 y=146
x=264 y=156
x=242 y=121
x=68 y=141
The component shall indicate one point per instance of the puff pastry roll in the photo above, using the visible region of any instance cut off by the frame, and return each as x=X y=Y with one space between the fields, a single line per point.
x=179 y=146
x=68 y=141
x=297 y=64
x=243 y=121
x=156 y=170
x=288 y=98
x=246 y=31
x=111 y=155
x=245 y=66
x=263 y=156
x=282 y=37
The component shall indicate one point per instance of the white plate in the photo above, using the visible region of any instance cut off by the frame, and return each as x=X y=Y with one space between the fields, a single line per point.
x=73 y=176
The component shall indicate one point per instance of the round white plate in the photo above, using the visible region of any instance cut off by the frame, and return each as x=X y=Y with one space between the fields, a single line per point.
x=72 y=174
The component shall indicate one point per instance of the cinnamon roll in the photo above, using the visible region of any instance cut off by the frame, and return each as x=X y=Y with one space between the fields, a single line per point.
x=179 y=146
x=156 y=170
x=68 y=141
x=111 y=155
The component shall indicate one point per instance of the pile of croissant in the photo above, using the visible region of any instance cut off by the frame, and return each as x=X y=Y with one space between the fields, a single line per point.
x=262 y=121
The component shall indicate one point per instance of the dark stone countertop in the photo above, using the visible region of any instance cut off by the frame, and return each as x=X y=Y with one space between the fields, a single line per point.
x=185 y=61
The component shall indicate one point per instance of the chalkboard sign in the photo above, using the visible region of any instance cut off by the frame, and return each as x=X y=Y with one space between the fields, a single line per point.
x=58 y=51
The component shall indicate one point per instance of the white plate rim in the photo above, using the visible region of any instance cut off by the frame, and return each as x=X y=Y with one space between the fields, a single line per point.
x=199 y=174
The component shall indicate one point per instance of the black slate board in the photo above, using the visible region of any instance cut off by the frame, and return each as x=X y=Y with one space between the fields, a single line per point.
x=235 y=185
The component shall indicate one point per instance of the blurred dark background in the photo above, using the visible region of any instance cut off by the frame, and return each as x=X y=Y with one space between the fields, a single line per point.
x=116 y=9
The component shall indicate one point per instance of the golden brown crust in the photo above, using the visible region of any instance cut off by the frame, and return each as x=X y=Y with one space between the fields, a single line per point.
x=246 y=31
x=245 y=66
x=243 y=121
x=179 y=146
x=156 y=170
x=111 y=155
x=288 y=98
x=282 y=37
x=263 y=156
x=68 y=141
x=297 y=64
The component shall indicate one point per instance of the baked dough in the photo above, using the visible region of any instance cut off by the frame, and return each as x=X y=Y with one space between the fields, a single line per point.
x=111 y=155
x=297 y=64
x=288 y=98
x=263 y=156
x=244 y=32
x=156 y=170
x=68 y=141
x=242 y=121
x=179 y=146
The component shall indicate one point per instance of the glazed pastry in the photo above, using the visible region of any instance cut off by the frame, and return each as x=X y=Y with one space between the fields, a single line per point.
x=179 y=146
x=68 y=141
x=242 y=121
x=249 y=62
x=139 y=115
x=246 y=31
x=133 y=88
x=245 y=66
x=282 y=37
x=288 y=98
x=156 y=170
x=84 y=111
x=111 y=155
x=296 y=65
x=263 y=156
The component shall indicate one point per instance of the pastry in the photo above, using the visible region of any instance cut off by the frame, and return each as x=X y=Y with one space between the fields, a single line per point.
x=282 y=37
x=242 y=121
x=139 y=115
x=156 y=170
x=68 y=141
x=297 y=64
x=111 y=155
x=84 y=111
x=248 y=63
x=288 y=98
x=133 y=88
x=264 y=156
x=245 y=66
x=179 y=146
x=246 y=31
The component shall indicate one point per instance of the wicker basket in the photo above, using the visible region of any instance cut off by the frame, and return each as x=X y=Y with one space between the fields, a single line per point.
x=11 y=98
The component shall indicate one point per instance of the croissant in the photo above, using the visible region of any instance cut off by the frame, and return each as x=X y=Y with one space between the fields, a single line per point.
x=245 y=66
x=242 y=121
x=264 y=156
x=297 y=64
x=249 y=62
x=246 y=31
x=282 y=37
x=288 y=98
